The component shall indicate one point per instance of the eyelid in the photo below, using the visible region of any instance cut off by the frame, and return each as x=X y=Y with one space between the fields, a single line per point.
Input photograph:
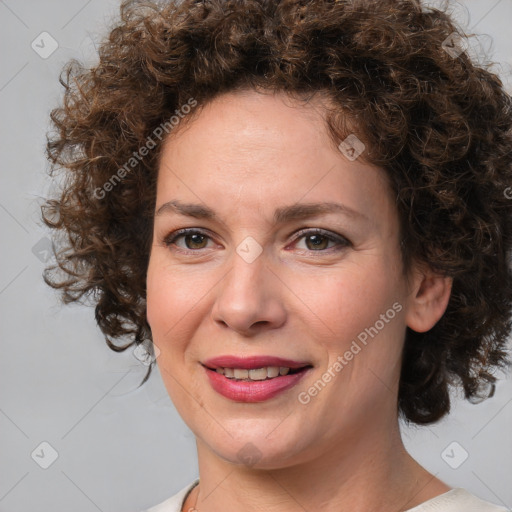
x=171 y=237
x=330 y=235
x=341 y=240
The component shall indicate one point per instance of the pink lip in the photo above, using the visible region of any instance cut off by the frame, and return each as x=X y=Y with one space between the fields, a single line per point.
x=252 y=362
x=257 y=391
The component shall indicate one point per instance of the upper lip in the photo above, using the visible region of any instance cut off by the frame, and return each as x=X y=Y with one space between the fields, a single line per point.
x=252 y=362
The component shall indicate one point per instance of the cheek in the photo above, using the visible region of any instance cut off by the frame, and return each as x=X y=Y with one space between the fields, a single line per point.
x=177 y=304
x=363 y=309
x=354 y=299
x=170 y=295
x=172 y=304
x=165 y=306
x=158 y=295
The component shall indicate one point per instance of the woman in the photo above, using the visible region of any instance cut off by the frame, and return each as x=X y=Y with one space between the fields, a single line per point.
x=302 y=205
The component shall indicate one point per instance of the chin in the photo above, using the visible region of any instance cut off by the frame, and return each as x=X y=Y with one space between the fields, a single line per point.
x=258 y=451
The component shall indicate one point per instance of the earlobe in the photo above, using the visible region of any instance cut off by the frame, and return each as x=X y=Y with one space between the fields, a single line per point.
x=428 y=301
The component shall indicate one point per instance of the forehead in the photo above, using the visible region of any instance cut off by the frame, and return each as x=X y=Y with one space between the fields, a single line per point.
x=250 y=119
x=253 y=149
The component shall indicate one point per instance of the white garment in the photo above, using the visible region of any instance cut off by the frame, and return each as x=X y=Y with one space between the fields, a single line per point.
x=454 y=500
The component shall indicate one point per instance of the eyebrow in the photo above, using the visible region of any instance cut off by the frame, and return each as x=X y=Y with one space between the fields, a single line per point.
x=281 y=215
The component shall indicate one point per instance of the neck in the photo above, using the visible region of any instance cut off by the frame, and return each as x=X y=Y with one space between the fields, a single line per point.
x=362 y=472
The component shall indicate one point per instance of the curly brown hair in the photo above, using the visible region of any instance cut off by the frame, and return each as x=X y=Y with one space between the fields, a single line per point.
x=439 y=124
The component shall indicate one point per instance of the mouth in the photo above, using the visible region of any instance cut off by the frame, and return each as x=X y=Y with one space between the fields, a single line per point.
x=254 y=379
x=257 y=374
x=255 y=367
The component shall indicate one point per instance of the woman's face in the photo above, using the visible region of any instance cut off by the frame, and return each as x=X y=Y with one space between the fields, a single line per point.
x=254 y=277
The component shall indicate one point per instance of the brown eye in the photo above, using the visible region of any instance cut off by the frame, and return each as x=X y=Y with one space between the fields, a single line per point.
x=318 y=240
x=194 y=239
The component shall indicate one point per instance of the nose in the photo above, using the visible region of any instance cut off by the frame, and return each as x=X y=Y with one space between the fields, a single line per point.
x=249 y=299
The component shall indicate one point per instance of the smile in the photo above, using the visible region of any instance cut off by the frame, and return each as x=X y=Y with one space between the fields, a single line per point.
x=255 y=385
x=268 y=372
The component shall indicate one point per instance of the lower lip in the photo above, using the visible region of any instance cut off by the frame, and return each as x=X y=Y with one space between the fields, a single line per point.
x=255 y=391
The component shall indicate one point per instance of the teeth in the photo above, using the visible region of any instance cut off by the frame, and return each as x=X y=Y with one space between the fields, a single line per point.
x=258 y=374
x=268 y=372
x=272 y=371
x=241 y=374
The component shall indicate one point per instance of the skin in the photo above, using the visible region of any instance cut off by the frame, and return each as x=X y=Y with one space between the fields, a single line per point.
x=244 y=155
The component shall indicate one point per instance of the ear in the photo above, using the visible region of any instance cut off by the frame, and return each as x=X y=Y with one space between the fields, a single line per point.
x=428 y=300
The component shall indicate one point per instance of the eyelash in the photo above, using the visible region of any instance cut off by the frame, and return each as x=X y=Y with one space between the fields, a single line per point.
x=342 y=241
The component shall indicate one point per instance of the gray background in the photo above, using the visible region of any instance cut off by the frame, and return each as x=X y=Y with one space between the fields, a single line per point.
x=121 y=449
